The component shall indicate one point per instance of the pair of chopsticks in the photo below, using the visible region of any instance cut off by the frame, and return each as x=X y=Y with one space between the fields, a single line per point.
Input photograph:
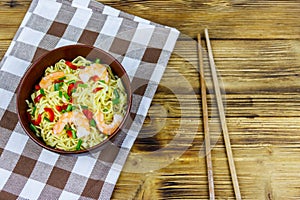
x=222 y=119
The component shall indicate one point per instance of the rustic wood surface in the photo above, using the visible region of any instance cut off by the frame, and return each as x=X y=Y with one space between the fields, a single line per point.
x=256 y=48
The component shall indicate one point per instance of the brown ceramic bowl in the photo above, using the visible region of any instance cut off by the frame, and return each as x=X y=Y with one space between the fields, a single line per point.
x=35 y=72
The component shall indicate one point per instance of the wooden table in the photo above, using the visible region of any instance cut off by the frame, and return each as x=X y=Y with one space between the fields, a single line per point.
x=256 y=47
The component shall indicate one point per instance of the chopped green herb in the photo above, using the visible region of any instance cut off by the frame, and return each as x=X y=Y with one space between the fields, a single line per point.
x=74 y=134
x=71 y=81
x=63 y=111
x=105 y=110
x=33 y=128
x=83 y=85
x=56 y=86
x=93 y=123
x=97 y=61
x=47 y=119
x=69 y=108
x=84 y=107
x=102 y=81
x=42 y=91
x=62 y=78
x=74 y=107
x=116 y=93
x=67 y=96
x=33 y=111
x=79 y=144
x=116 y=101
x=60 y=94
x=67 y=127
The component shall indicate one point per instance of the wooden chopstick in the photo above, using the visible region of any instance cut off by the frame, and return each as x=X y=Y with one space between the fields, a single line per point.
x=205 y=123
x=222 y=118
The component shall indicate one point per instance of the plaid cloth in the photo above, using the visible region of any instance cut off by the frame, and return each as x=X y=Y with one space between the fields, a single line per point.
x=26 y=170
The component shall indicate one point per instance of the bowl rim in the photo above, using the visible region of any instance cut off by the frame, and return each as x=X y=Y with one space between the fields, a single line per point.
x=96 y=147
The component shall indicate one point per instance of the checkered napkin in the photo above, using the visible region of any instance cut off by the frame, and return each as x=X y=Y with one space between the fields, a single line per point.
x=26 y=170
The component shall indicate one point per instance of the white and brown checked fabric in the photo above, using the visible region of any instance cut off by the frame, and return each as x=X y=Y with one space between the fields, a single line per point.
x=26 y=170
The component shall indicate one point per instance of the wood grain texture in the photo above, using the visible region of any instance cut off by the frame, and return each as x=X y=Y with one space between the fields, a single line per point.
x=256 y=48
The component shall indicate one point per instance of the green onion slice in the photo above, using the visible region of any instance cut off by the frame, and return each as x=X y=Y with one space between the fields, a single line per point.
x=62 y=78
x=47 y=119
x=116 y=93
x=56 y=86
x=71 y=81
x=79 y=144
x=84 y=107
x=67 y=96
x=33 y=111
x=117 y=97
x=33 y=128
x=42 y=91
x=74 y=134
x=93 y=123
x=97 y=61
x=83 y=85
x=115 y=101
x=69 y=108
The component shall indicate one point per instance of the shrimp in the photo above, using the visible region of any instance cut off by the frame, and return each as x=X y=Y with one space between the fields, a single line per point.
x=49 y=79
x=95 y=69
x=78 y=118
x=107 y=128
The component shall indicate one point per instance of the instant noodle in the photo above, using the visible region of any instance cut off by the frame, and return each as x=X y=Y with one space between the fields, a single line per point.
x=77 y=104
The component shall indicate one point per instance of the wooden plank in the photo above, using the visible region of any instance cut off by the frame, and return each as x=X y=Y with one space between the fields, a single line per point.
x=183 y=180
x=246 y=66
x=245 y=19
x=265 y=66
x=250 y=19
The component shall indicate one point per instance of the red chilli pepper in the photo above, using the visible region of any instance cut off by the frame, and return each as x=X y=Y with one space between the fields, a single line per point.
x=50 y=113
x=88 y=114
x=38 y=120
x=70 y=89
x=70 y=134
x=64 y=107
x=97 y=89
x=38 y=98
x=37 y=87
x=71 y=65
x=61 y=108
x=58 y=108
